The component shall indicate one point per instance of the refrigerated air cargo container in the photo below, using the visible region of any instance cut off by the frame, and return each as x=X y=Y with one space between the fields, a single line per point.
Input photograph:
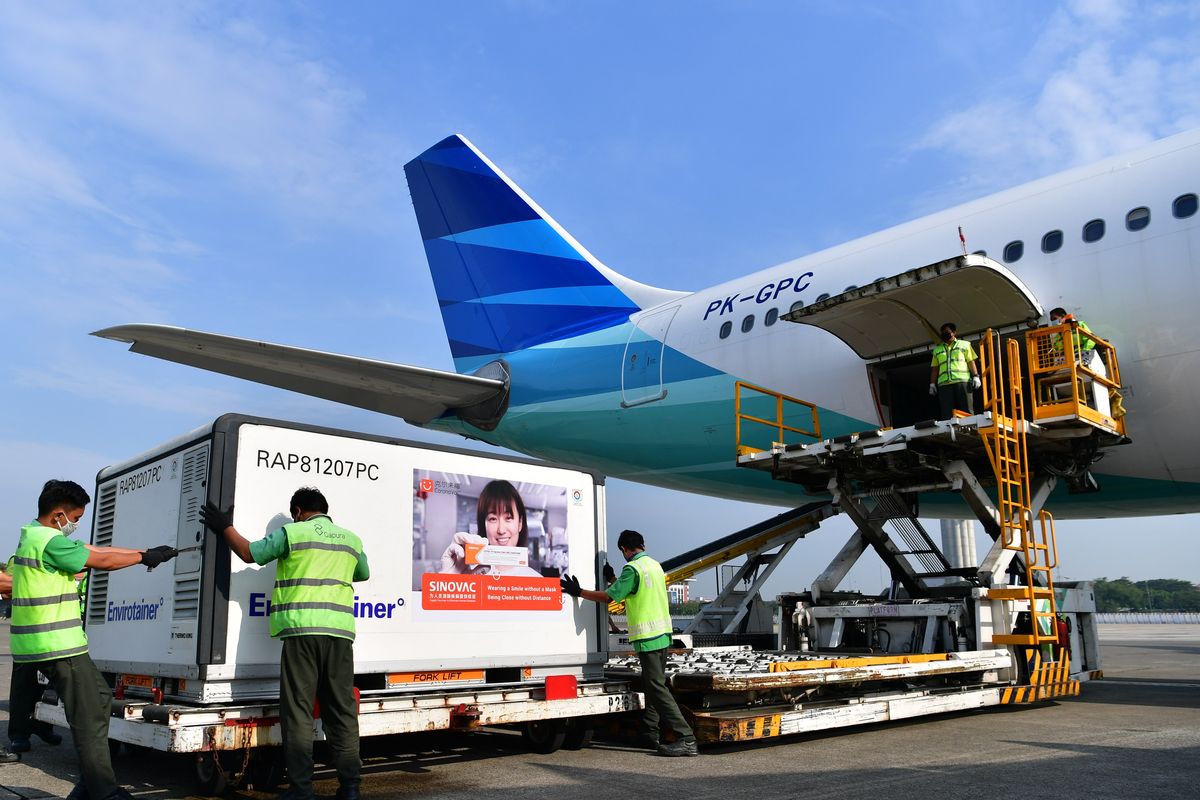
x=440 y=642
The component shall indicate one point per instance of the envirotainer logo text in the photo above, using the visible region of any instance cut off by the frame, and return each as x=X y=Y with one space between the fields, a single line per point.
x=133 y=610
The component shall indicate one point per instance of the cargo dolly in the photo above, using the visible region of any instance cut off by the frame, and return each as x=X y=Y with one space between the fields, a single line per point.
x=236 y=741
x=187 y=647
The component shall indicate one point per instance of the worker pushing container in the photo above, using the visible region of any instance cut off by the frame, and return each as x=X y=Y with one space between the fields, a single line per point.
x=447 y=603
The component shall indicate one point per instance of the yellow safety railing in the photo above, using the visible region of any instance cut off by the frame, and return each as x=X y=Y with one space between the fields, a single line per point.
x=782 y=403
x=1007 y=450
x=1068 y=378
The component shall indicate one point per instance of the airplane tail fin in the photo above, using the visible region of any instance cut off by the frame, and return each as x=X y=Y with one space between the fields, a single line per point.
x=507 y=276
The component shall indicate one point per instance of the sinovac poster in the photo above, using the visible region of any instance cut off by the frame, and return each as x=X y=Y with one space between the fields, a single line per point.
x=483 y=543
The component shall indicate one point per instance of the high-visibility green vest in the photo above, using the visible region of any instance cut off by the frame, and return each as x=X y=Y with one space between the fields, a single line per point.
x=81 y=590
x=1082 y=345
x=46 y=623
x=647 y=610
x=314 y=591
x=953 y=361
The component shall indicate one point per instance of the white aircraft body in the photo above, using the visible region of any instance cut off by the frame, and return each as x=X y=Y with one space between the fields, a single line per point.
x=560 y=357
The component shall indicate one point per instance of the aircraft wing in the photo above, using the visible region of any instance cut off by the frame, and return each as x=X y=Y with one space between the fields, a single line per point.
x=417 y=394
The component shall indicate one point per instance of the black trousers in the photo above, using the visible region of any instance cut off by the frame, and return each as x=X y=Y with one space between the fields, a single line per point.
x=951 y=396
x=23 y=694
x=88 y=701
x=660 y=703
x=320 y=667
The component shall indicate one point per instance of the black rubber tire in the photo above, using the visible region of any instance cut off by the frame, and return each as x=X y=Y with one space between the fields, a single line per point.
x=266 y=769
x=210 y=781
x=544 y=735
x=579 y=733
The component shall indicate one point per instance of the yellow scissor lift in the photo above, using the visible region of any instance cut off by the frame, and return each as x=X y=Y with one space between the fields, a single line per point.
x=1074 y=378
x=1031 y=432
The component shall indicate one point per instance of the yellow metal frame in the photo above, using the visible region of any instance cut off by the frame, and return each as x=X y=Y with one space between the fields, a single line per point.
x=1054 y=355
x=1008 y=453
x=736 y=549
x=1047 y=680
x=857 y=661
x=777 y=423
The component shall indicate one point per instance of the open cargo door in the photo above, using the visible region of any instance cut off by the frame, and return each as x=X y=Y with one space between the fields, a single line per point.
x=898 y=314
x=893 y=323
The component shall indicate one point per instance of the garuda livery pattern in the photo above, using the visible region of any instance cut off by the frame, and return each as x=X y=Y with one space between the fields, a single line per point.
x=558 y=356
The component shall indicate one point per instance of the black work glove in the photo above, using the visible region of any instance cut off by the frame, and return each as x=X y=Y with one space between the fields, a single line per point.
x=157 y=555
x=610 y=574
x=215 y=519
x=570 y=585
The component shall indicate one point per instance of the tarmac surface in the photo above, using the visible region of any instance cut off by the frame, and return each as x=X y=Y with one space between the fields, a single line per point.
x=1134 y=734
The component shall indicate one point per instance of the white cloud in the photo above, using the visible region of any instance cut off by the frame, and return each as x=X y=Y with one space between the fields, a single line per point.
x=120 y=389
x=25 y=466
x=219 y=92
x=33 y=173
x=1105 y=76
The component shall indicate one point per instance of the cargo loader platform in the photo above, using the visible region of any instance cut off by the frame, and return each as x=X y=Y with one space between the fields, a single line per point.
x=738 y=694
x=946 y=636
x=913 y=458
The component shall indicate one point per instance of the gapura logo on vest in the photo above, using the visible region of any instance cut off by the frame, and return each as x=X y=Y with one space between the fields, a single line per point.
x=320 y=530
x=133 y=610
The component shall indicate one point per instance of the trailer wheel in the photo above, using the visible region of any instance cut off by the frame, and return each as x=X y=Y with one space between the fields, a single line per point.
x=579 y=733
x=266 y=769
x=544 y=735
x=210 y=778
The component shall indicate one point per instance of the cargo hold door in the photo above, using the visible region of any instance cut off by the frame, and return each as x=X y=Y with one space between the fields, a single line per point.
x=902 y=313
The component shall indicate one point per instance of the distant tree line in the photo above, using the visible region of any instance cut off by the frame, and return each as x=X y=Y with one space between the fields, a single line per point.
x=1158 y=594
x=692 y=607
x=1122 y=594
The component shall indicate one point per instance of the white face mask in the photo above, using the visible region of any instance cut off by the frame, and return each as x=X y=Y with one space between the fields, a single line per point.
x=69 y=527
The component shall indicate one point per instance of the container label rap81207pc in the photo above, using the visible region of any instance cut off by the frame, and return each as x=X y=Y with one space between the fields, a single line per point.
x=313 y=464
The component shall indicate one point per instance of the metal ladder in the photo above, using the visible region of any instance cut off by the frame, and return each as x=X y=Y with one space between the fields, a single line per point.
x=1006 y=448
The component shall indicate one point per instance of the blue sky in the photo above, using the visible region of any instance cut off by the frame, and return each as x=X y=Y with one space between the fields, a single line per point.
x=238 y=168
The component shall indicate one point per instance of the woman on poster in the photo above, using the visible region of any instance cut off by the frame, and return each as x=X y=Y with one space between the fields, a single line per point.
x=501 y=517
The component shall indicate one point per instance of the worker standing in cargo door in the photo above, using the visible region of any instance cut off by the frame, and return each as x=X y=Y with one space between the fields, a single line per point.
x=312 y=611
x=953 y=373
x=643 y=586
x=47 y=627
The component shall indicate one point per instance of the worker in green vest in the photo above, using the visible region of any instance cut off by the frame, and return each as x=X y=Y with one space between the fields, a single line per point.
x=24 y=691
x=953 y=373
x=7 y=756
x=47 y=628
x=312 y=611
x=643 y=587
x=1085 y=346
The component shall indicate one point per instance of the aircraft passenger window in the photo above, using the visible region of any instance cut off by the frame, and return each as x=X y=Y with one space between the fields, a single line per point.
x=726 y=327
x=822 y=296
x=1184 y=206
x=980 y=253
x=748 y=324
x=1093 y=231
x=1052 y=241
x=1137 y=219
x=772 y=315
x=796 y=306
x=1013 y=251
x=850 y=288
